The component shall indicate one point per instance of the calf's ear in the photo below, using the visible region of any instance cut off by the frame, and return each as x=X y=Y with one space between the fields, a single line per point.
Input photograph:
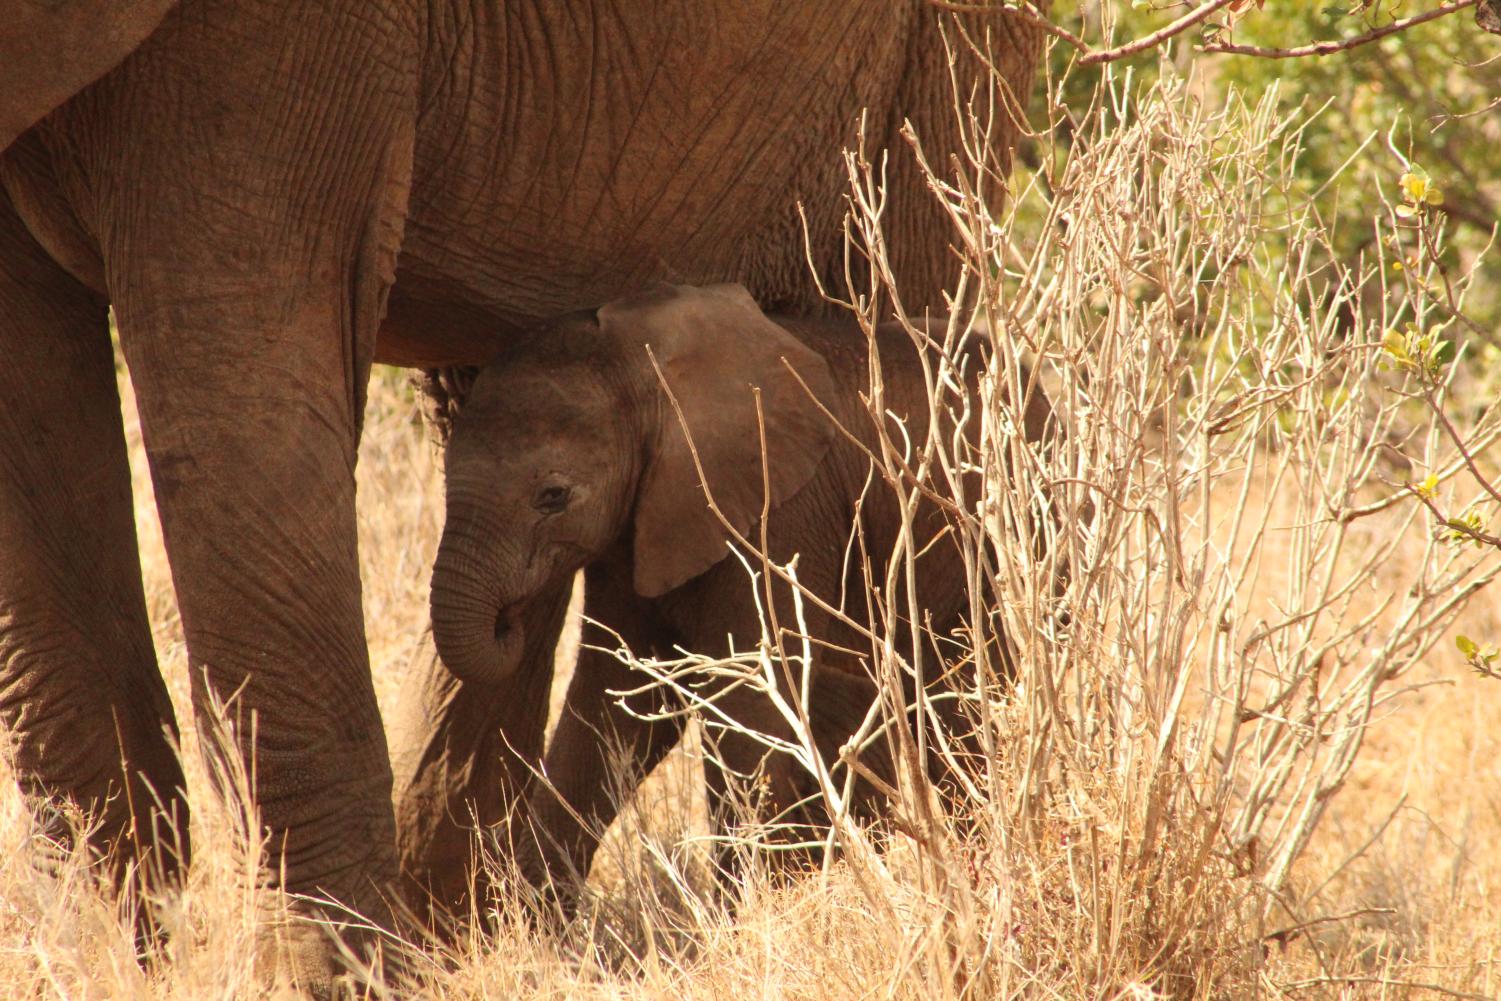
x=715 y=349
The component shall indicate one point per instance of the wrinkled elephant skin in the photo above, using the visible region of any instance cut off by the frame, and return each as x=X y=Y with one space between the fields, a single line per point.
x=271 y=196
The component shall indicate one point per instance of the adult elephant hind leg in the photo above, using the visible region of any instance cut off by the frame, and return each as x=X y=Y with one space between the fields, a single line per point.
x=253 y=470
x=80 y=692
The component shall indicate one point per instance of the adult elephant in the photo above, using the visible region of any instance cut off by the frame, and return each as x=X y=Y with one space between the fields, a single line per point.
x=274 y=194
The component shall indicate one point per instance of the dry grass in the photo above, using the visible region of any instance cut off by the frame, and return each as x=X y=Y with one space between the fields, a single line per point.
x=1138 y=831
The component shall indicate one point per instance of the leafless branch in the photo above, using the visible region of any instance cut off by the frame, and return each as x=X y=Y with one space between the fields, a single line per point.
x=1342 y=44
x=1021 y=10
x=1182 y=24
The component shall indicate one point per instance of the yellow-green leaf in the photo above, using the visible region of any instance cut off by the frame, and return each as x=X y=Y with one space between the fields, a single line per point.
x=1394 y=344
x=1415 y=184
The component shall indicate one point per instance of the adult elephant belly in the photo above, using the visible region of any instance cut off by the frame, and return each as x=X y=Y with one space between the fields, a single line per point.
x=568 y=158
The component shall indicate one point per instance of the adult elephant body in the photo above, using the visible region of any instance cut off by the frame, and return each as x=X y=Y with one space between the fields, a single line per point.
x=272 y=196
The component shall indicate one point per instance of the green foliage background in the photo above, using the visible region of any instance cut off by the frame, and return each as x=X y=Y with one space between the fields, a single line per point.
x=1431 y=88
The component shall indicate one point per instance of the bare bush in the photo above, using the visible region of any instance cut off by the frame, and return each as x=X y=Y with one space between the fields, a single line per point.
x=1217 y=615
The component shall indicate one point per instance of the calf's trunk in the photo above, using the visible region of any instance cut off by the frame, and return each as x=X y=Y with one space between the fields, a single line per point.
x=477 y=631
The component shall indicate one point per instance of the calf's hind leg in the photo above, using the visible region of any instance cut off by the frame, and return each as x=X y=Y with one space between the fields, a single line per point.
x=783 y=792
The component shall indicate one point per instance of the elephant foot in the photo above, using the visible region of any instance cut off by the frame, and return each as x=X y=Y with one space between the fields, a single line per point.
x=325 y=961
x=300 y=953
x=551 y=883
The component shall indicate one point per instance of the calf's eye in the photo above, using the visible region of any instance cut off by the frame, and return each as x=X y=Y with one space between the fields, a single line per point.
x=552 y=499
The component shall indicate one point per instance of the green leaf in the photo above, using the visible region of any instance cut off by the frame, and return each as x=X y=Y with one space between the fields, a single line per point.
x=1467 y=646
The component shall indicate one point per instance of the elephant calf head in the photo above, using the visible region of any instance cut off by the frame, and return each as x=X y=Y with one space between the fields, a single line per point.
x=568 y=445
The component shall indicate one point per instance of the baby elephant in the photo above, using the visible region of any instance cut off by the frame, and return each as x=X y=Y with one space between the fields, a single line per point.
x=568 y=454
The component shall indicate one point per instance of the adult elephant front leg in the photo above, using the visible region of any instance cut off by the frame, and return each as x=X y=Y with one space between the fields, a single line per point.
x=250 y=427
x=249 y=237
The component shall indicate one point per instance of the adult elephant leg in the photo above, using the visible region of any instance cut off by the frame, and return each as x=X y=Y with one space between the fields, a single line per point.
x=471 y=750
x=250 y=433
x=79 y=688
x=249 y=212
x=251 y=451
